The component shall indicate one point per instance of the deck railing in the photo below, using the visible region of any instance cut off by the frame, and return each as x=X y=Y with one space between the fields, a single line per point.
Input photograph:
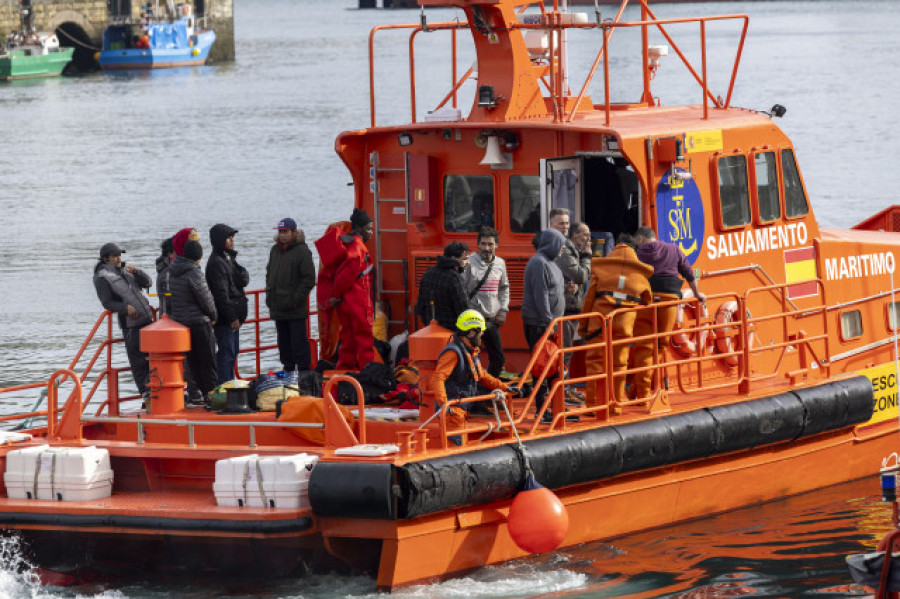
x=553 y=77
x=93 y=363
x=796 y=348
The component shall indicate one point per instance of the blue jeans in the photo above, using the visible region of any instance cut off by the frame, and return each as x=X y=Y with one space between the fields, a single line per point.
x=228 y=344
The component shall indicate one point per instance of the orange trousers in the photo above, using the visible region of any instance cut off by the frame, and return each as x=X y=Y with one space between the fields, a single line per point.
x=622 y=328
x=642 y=351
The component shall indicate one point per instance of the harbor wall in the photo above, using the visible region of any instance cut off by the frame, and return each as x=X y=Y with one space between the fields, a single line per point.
x=80 y=23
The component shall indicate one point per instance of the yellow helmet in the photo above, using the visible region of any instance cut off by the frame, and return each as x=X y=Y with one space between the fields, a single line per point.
x=470 y=319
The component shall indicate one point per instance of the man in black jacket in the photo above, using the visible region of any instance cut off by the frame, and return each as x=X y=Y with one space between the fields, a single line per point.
x=119 y=290
x=193 y=306
x=227 y=280
x=290 y=277
x=441 y=290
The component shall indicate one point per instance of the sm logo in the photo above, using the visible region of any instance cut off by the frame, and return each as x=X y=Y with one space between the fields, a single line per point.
x=679 y=214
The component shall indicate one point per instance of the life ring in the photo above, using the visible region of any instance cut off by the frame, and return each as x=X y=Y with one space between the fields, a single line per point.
x=682 y=342
x=726 y=315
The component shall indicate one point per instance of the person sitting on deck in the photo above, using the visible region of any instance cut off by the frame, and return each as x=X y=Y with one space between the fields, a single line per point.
x=459 y=371
x=618 y=280
x=441 y=288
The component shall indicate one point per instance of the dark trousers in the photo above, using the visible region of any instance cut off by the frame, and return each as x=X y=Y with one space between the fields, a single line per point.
x=293 y=343
x=533 y=333
x=494 y=348
x=228 y=343
x=201 y=360
x=140 y=369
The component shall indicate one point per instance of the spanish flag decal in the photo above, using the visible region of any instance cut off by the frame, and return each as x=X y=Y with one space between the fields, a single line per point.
x=800 y=265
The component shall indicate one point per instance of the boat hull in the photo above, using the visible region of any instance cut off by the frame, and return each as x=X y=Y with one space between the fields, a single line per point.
x=158 y=58
x=466 y=538
x=16 y=65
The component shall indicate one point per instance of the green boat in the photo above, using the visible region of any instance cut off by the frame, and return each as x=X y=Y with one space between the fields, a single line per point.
x=29 y=53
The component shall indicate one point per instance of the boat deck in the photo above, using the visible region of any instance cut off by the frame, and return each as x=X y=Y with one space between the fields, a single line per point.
x=161 y=512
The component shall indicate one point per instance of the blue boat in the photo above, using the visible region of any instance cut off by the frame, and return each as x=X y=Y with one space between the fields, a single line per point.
x=156 y=45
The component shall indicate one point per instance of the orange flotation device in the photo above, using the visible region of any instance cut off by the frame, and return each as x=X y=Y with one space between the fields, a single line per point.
x=727 y=313
x=685 y=343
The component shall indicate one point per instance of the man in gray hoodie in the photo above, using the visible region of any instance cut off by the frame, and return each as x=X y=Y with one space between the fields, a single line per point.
x=544 y=287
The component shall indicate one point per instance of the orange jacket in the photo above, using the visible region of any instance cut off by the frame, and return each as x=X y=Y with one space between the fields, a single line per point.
x=447 y=364
x=618 y=279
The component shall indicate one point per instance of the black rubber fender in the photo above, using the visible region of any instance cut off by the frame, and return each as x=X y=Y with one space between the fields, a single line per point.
x=354 y=489
x=836 y=406
x=758 y=422
x=364 y=490
x=458 y=480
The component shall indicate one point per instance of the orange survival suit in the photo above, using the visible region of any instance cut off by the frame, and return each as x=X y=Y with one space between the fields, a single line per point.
x=346 y=274
x=618 y=280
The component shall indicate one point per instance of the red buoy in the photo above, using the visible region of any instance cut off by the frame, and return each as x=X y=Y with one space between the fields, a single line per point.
x=537 y=520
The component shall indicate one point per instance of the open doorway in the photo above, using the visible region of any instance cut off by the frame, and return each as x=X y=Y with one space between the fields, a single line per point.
x=600 y=190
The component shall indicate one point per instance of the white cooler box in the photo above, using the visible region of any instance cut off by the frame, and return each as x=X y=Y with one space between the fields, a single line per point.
x=277 y=481
x=58 y=473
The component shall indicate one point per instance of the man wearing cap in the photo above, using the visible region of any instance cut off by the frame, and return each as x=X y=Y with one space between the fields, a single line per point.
x=351 y=295
x=227 y=280
x=119 y=289
x=290 y=277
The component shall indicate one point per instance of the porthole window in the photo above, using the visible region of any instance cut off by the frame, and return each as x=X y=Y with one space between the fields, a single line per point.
x=851 y=324
x=468 y=203
x=766 y=170
x=794 y=198
x=734 y=191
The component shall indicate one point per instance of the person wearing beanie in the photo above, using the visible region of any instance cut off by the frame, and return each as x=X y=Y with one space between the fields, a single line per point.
x=181 y=238
x=167 y=254
x=227 y=280
x=193 y=306
x=290 y=277
x=119 y=289
x=351 y=294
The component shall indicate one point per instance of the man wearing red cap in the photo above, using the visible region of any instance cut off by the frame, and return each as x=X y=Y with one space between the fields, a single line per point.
x=351 y=295
x=290 y=277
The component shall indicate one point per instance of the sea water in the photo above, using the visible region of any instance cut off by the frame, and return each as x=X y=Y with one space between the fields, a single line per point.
x=132 y=157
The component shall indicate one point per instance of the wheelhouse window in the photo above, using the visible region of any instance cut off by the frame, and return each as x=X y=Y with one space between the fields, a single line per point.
x=524 y=203
x=765 y=168
x=851 y=324
x=794 y=198
x=734 y=190
x=468 y=203
x=893 y=315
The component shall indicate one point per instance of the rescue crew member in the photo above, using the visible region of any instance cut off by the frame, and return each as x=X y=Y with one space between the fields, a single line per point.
x=351 y=296
x=459 y=371
x=668 y=262
x=618 y=280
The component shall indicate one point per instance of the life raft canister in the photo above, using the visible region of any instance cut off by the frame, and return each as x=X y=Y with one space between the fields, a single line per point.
x=684 y=343
x=727 y=313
